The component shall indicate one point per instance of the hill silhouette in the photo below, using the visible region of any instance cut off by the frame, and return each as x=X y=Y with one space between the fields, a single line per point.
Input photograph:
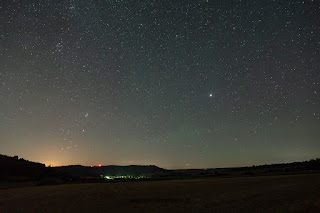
x=13 y=169
x=132 y=170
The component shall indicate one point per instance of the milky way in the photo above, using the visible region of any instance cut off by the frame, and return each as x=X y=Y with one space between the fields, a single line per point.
x=179 y=84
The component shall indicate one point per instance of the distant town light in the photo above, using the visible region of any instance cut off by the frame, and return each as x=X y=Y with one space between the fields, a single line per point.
x=99 y=165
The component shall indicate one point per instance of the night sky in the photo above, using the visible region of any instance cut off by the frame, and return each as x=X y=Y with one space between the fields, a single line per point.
x=174 y=83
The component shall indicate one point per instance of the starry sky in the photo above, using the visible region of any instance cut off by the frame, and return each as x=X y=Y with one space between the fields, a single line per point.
x=174 y=83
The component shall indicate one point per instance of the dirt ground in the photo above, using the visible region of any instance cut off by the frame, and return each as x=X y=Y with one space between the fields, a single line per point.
x=295 y=193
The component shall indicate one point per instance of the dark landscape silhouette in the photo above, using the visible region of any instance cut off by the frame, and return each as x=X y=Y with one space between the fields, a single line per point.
x=15 y=169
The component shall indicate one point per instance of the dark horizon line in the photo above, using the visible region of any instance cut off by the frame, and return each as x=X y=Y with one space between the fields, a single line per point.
x=100 y=165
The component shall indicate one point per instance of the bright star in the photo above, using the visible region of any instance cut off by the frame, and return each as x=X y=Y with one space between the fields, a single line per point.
x=210 y=95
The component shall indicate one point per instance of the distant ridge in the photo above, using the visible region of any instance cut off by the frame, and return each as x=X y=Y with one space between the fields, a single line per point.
x=15 y=166
x=132 y=170
x=19 y=169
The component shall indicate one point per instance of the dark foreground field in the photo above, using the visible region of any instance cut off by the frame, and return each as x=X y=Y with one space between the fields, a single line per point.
x=296 y=193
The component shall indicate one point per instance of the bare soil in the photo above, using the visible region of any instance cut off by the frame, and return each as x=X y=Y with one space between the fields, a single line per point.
x=293 y=193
